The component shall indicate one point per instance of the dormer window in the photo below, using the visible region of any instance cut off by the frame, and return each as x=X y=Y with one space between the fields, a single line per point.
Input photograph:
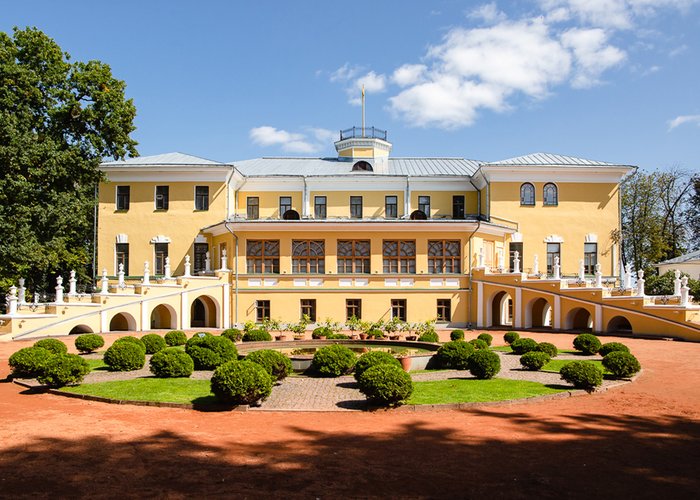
x=362 y=166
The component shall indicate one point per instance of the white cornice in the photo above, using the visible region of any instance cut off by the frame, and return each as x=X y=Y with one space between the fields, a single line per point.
x=163 y=174
x=605 y=175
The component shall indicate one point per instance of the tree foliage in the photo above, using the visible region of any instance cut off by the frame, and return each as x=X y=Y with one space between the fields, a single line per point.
x=58 y=119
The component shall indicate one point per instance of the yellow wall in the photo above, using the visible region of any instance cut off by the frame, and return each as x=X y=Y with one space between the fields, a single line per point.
x=441 y=202
x=269 y=203
x=373 y=202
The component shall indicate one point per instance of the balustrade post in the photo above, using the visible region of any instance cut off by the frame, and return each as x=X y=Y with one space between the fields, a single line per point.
x=22 y=292
x=72 y=285
x=104 y=283
x=59 y=290
x=146 y=273
x=12 y=301
x=677 y=282
x=640 y=283
x=516 y=262
x=187 y=266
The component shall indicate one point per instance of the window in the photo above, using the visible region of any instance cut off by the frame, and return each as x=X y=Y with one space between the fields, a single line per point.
x=590 y=257
x=161 y=250
x=444 y=257
x=424 y=205
x=398 y=309
x=489 y=253
x=308 y=308
x=263 y=256
x=123 y=195
x=285 y=204
x=162 y=197
x=553 y=250
x=399 y=256
x=551 y=197
x=122 y=252
x=320 y=207
x=262 y=310
x=200 y=257
x=391 y=207
x=353 y=256
x=458 y=207
x=353 y=307
x=201 y=198
x=512 y=248
x=253 y=207
x=527 y=194
x=308 y=256
x=362 y=166
x=444 y=310
x=356 y=207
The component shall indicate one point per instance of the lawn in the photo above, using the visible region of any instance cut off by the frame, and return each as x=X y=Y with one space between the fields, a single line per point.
x=476 y=391
x=96 y=364
x=506 y=348
x=555 y=365
x=171 y=390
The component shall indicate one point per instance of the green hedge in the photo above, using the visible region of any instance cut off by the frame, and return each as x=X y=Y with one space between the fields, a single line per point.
x=534 y=360
x=321 y=331
x=125 y=356
x=521 y=346
x=52 y=345
x=89 y=342
x=276 y=364
x=241 y=382
x=153 y=343
x=484 y=364
x=457 y=334
x=29 y=361
x=486 y=337
x=386 y=384
x=549 y=348
x=455 y=354
x=429 y=337
x=63 y=369
x=374 y=358
x=582 y=374
x=233 y=334
x=587 y=343
x=621 y=364
x=606 y=349
x=171 y=362
x=130 y=340
x=333 y=361
x=479 y=344
x=208 y=351
x=175 y=338
x=258 y=335
x=511 y=337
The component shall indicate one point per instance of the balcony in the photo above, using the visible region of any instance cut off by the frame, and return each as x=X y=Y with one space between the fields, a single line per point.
x=359 y=133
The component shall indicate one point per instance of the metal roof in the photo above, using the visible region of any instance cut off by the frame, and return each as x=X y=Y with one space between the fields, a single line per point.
x=551 y=160
x=261 y=167
x=163 y=159
x=683 y=258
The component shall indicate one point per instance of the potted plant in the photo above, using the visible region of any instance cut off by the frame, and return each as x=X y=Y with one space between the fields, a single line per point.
x=391 y=326
x=354 y=324
x=409 y=330
x=298 y=329
x=274 y=325
x=405 y=360
x=365 y=328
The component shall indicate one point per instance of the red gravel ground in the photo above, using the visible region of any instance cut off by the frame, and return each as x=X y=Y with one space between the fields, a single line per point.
x=641 y=440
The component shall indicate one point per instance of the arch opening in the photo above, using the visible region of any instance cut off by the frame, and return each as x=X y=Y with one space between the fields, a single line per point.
x=418 y=215
x=291 y=215
x=79 y=329
x=540 y=314
x=122 y=322
x=579 y=319
x=163 y=316
x=619 y=324
x=203 y=312
x=502 y=309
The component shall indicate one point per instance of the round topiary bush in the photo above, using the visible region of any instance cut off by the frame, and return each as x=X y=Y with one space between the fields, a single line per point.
x=208 y=352
x=175 y=338
x=333 y=361
x=479 y=344
x=606 y=349
x=484 y=364
x=153 y=343
x=486 y=337
x=275 y=363
x=431 y=336
x=321 y=331
x=131 y=340
x=63 y=369
x=233 y=334
x=125 y=356
x=511 y=337
x=89 y=342
x=582 y=374
x=171 y=362
x=258 y=335
x=455 y=354
x=385 y=384
x=241 y=382
x=587 y=343
x=550 y=349
x=29 y=361
x=621 y=364
x=457 y=335
x=521 y=346
x=374 y=358
x=534 y=360
x=52 y=345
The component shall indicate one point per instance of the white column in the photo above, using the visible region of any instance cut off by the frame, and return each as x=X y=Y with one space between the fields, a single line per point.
x=226 y=306
x=224 y=264
x=72 y=285
x=677 y=282
x=167 y=268
x=556 y=313
x=12 y=301
x=685 y=290
x=628 y=277
x=145 y=320
x=640 y=283
x=120 y=276
x=187 y=266
x=516 y=262
x=22 y=292
x=598 y=323
x=480 y=305
x=146 y=274
x=104 y=283
x=184 y=311
x=598 y=276
x=59 y=290
x=104 y=327
x=517 y=308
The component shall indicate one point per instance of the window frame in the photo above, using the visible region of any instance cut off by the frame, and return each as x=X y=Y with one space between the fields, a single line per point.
x=320 y=209
x=265 y=263
x=523 y=201
x=399 y=309
x=308 y=307
x=283 y=204
x=252 y=207
x=514 y=246
x=439 y=263
x=555 y=190
x=424 y=206
x=398 y=263
x=161 y=200
x=355 y=202
x=304 y=261
x=353 y=307
x=262 y=306
x=122 y=199
x=358 y=261
x=550 y=260
x=459 y=204
x=444 y=306
x=392 y=213
x=200 y=258
x=160 y=253
x=201 y=198
x=588 y=262
x=122 y=257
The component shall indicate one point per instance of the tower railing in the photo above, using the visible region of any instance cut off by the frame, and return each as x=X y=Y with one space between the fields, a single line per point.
x=369 y=132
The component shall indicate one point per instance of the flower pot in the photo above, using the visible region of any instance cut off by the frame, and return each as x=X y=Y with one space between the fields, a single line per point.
x=298 y=337
x=281 y=338
x=394 y=337
x=354 y=336
x=405 y=363
x=363 y=336
x=411 y=337
x=321 y=337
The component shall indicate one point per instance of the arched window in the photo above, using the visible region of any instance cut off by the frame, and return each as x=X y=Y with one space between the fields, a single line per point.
x=527 y=194
x=362 y=166
x=551 y=196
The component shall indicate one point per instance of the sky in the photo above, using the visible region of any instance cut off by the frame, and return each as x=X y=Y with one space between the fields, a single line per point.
x=609 y=80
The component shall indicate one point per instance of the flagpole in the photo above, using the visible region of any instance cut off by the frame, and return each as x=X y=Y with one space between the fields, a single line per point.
x=363 y=110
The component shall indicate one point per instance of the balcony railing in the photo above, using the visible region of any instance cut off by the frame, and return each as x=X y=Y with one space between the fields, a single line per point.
x=357 y=132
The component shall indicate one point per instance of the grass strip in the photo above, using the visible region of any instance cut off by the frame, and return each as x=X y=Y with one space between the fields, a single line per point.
x=476 y=391
x=169 y=390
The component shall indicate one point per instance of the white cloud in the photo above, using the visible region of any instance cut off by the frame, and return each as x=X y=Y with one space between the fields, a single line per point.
x=593 y=55
x=292 y=142
x=348 y=75
x=488 y=13
x=345 y=72
x=682 y=119
x=678 y=50
x=408 y=74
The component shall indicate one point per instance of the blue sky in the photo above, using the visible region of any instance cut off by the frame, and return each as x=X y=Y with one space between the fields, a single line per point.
x=611 y=80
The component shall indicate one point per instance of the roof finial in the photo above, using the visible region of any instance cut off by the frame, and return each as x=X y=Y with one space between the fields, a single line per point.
x=363 y=110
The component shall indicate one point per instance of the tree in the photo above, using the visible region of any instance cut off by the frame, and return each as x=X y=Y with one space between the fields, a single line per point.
x=58 y=119
x=692 y=214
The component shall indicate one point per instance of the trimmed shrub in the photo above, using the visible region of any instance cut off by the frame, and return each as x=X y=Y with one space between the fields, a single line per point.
x=275 y=363
x=479 y=344
x=208 y=352
x=550 y=349
x=457 y=335
x=171 y=362
x=587 y=343
x=175 y=338
x=322 y=331
x=63 y=369
x=486 y=337
x=374 y=358
x=455 y=354
x=511 y=337
x=333 y=361
x=130 y=340
x=375 y=333
x=621 y=364
x=521 y=346
x=52 y=345
x=89 y=342
x=386 y=384
x=125 y=356
x=606 y=349
x=338 y=336
x=29 y=361
x=484 y=364
x=241 y=382
x=582 y=374
x=534 y=360
x=258 y=335
x=430 y=336
x=233 y=334
x=153 y=343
